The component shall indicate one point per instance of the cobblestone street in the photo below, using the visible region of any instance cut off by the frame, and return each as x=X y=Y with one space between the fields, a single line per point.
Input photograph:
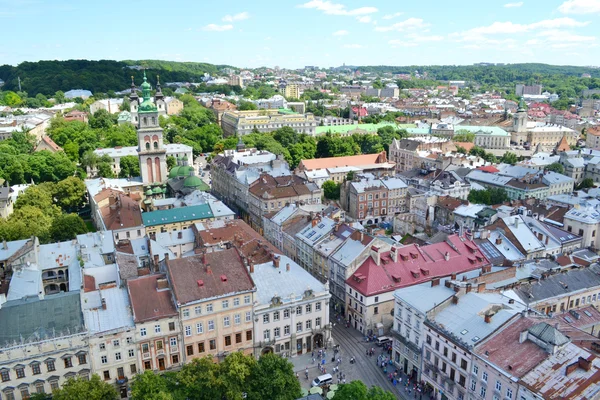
x=352 y=344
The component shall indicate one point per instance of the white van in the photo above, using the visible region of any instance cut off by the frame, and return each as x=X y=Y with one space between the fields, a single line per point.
x=381 y=340
x=322 y=380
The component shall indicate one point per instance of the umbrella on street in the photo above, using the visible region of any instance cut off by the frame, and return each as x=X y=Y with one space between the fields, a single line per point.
x=316 y=390
x=330 y=395
x=304 y=392
x=333 y=387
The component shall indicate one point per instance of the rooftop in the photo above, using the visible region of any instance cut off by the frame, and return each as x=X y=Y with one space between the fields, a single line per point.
x=151 y=298
x=174 y=215
x=106 y=309
x=334 y=162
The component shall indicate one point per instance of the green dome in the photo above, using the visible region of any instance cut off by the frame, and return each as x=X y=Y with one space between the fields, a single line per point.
x=149 y=192
x=182 y=171
x=147 y=105
x=192 y=182
x=185 y=158
x=157 y=190
x=174 y=171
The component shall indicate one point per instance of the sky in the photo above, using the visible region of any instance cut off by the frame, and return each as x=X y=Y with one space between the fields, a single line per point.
x=296 y=33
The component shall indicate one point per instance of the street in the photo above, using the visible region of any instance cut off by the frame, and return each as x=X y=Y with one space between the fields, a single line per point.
x=352 y=344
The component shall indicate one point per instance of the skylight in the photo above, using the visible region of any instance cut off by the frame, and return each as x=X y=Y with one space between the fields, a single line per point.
x=476 y=338
x=464 y=332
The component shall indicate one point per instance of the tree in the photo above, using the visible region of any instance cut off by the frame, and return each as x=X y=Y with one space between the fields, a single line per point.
x=130 y=166
x=171 y=161
x=273 y=378
x=331 y=190
x=556 y=167
x=463 y=135
x=39 y=196
x=199 y=380
x=489 y=196
x=509 y=158
x=150 y=386
x=105 y=167
x=357 y=390
x=246 y=105
x=59 y=97
x=69 y=193
x=350 y=175
x=461 y=150
x=12 y=99
x=80 y=388
x=586 y=183
x=67 y=227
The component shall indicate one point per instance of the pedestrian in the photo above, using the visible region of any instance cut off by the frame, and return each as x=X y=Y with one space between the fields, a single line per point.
x=313 y=360
x=344 y=380
x=312 y=354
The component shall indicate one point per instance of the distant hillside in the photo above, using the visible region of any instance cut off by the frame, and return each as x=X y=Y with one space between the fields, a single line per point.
x=48 y=77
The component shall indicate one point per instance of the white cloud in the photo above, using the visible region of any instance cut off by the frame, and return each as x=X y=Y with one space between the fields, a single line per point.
x=580 y=7
x=340 y=33
x=237 y=17
x=513 y=5
x=509 y=27
x=413 y=39
x=337 y=9
x=409 y=24
x=556 y=35
x=364 y=19
x=353 y=46
x=392 y=16
x=217 y=28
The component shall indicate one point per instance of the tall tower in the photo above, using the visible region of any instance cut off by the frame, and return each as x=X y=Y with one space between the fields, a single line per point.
x=151 y=150
x=520 y=120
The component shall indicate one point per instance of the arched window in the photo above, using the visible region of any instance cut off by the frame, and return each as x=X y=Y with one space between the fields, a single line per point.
x=147 y=145
x=145 y=121
x=153 y=120
x=155 y=145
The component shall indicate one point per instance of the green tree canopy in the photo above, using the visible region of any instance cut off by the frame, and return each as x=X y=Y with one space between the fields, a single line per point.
x=130 y=166
x=489 y=196
x=80 y=388
x=70 y=193
x=66 y=227
x=331 y=190
x=357 y=390
x=556 y=167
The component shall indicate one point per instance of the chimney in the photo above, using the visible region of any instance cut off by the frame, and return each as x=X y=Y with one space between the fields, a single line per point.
x=375 y=254
x=454 y=299
x=251 y=266
x=447 y=256
x=447 y=284
x=167 y=257
x=156 y=261
x=103 y=303
x=179 y=235
x=162 y=283
x=481 y=287
x=208 y=269
x=276 y=259
x=435 y=282
x=287 y=267
x=584 y=364
x=488 y=318
x=499 y=240
x=453 y=276
x=394 y=253
x=516 y=222
x=547 y=239
x=469 y=286
x=523 y=336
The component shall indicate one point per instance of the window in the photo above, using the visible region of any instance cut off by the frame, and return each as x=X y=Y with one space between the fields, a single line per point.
x=145 y=348
x=318 y=306
x=5 y=375
x=201 y=348
x=106 y=375
x=299 y=327
x=131 y=353
x=81 y=358
x=143 y=332
x=212 y=344
x=428 y=340
x=209 y=307
x=277 y=332
x=299 y=310
x=286 y=313
x=226 y=322
x=50 y=366
x=308 y=324
x=173 y=342
x=199 y=328
x=118 y=356
x=211 y=325
x=237 y=319
x=198 y=310
x=437 y=346
x=247 y=299
x=248 y=316
x=248 y=335
x=228 y=340
x=133 y=368
x=509 y=393
x=129 y=340
x=376 y=310
x=35 y=369
x=318 y=321
x=276 y=316
x=454 y=357
x=266 y=319
x=188 y=330
x=286 y=330
x=308 y=308
x=24 y=393
x=484 y=376
x=482 y=391
x=147 y=365
x=445 y=351
x=475 y=369
x=186 y=313
x=68 y=362
x=225 y=304
x=498 y=386
x=238 y=338
x=236 y=302
x=473 y=385
x=104 y=360
x=267 y=334
x=156 y=328
x=116 y=343
x=39 y=388
x=462 y=380
x=463 y=365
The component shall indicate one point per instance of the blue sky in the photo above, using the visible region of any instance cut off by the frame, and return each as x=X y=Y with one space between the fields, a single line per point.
x=293 y=34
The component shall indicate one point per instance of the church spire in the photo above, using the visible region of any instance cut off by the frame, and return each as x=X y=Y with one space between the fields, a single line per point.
x=147 y=105
x=159 y=93
x=133 y=94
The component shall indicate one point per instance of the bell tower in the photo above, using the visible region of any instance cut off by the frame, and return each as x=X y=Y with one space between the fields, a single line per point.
x=520 y=119
x=151 y=151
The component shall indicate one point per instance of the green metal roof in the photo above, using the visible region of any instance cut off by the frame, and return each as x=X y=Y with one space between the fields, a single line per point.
x=491 y=130
x=371 y=128
x=195 y=182
x=30 y=318
x=174 y=215
x=286 y=111
x=418 y=131
x=174 y=171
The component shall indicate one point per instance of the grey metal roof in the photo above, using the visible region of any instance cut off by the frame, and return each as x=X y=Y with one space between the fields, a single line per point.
x=548 y=334
x=34 y=319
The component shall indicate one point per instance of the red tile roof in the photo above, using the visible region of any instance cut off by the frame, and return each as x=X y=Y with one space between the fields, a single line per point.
x=347 y=161
x=210 y=275
x=121 y=212
x=417 y=265
x=489 y=168
x=150 y=298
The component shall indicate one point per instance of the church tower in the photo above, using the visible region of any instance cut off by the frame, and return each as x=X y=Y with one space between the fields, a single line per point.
x=151 y=150
x=520 y=119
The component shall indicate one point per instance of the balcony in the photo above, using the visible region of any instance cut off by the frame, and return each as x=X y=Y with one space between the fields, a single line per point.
x=406 y=342
x=146 y=356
